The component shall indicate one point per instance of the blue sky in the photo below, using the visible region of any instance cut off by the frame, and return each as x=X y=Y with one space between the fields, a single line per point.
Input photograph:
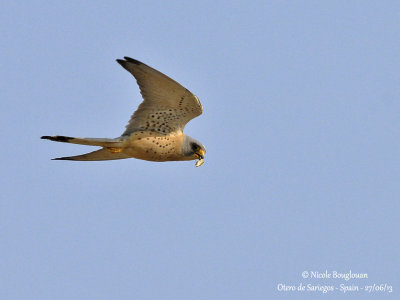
x=301 y=124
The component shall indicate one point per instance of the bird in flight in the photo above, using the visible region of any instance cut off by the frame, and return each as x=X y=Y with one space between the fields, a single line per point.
x=155 y=130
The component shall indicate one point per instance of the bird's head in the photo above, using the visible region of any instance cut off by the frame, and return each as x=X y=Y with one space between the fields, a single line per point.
x=193 y=149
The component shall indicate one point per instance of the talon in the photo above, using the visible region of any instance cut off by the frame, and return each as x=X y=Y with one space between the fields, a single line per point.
x=114 y=149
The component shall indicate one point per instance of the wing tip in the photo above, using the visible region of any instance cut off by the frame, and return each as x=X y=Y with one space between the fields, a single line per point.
x=131 y=60
x=121 y=61
x=62 y=158
x=125 y=63
x=128 y=59
x=57 y=138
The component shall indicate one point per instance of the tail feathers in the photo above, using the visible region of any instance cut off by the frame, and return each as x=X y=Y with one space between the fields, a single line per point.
x=85 y=141
x=102 y=154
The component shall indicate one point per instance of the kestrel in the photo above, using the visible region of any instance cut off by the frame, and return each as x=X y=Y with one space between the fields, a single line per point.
x=155 y=130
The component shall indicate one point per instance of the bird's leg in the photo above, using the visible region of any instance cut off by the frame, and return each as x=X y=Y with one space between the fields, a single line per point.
x=114 y=149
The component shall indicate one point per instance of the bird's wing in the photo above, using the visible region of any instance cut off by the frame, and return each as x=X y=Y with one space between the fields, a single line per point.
x=167 y=106
x=102 y=154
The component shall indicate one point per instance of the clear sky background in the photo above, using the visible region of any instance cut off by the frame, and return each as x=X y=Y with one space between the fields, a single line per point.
x=301 y=124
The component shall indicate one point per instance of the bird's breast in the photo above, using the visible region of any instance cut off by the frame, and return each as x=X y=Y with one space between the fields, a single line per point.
x=154 y=147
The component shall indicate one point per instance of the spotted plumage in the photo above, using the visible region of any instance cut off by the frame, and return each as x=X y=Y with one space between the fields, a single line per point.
x=155 y=130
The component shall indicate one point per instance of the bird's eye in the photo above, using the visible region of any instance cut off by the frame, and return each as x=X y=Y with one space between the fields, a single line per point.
x=195 y=147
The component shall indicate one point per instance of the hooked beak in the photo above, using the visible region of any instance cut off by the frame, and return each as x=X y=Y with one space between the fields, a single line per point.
x=200 y=154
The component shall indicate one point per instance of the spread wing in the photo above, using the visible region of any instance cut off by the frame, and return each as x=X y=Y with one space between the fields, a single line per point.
x=167 y=106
